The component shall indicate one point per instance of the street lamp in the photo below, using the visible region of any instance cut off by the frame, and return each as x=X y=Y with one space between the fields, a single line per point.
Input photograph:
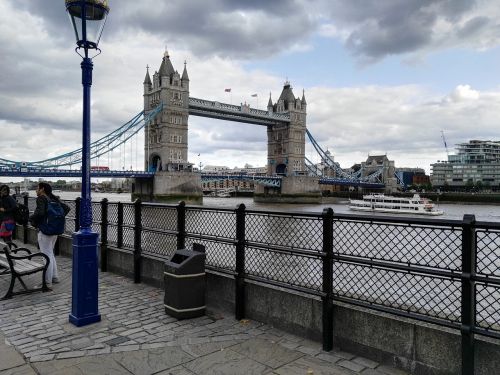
x=87 y=18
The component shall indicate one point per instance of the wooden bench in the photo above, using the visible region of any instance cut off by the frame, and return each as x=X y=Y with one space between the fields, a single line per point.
x=4 y=264
x=22 y=265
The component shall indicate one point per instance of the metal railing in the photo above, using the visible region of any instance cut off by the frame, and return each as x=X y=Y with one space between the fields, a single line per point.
x=445 y=272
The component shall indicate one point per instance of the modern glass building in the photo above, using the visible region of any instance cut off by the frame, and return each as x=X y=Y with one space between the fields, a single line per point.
x=475 y=162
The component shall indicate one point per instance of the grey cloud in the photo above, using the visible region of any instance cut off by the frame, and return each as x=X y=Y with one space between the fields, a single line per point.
x=244 y=29
x=474 y=26
x=220 y=27
x=378 y=29
x=29 y=115
x=372 y=43
x=238 y=29
x=53 y=15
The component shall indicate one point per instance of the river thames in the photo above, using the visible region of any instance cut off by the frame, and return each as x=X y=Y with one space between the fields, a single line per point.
x=483 y=212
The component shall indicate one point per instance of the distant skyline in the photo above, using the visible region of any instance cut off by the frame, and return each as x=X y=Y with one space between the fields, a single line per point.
x=380 y=77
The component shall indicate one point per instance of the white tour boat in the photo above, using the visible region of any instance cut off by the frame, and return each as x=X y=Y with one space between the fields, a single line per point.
x=400 y=205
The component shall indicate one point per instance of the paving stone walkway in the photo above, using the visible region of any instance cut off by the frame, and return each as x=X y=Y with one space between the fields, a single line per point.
x=135 y=336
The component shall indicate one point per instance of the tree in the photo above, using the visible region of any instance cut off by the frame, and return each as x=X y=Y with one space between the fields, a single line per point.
x=469 y=185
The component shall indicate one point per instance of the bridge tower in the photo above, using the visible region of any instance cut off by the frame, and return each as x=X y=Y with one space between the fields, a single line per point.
x=166 y=138
x=286 y=153
x=286 y=142
x=166 y=143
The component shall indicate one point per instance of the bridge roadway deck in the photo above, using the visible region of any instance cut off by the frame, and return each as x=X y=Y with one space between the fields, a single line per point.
x=136 y=337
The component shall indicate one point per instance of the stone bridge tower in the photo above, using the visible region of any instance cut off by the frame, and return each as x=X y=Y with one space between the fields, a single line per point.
x=286 y=143
x=286 y=153
x=166 y=139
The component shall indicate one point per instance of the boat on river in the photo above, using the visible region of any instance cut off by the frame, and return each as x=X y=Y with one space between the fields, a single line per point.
x=394 y=205
x=223 y=193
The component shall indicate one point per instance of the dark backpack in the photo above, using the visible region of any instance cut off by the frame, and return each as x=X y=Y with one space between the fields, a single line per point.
x=53 y=223
x=21 y=214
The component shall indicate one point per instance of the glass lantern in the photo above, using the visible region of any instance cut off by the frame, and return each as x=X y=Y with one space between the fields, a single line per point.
x=88 y=18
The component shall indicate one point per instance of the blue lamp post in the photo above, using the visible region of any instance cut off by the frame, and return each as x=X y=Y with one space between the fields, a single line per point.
x=88 y=18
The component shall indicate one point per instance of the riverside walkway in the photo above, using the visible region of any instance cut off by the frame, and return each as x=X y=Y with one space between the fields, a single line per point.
x=135 y=336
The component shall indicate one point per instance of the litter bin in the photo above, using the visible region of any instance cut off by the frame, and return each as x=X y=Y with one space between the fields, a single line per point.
x=184 y=279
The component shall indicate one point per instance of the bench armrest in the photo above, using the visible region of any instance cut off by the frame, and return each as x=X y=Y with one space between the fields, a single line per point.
x=14 y=251
x=29 y=256
x=45 y=257
x=7 y=245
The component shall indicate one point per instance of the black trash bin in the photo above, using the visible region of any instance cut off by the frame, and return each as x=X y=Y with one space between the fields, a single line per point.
x=184 y=278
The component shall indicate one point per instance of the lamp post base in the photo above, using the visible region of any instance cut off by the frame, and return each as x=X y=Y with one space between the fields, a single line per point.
x=85 y=293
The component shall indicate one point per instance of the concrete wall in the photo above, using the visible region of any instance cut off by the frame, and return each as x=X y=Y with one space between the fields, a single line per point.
x=416 y=347
x=170 y=187
x=294 y=189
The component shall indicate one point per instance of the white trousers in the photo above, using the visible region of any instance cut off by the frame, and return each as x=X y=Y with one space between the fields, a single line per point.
x=47 y=244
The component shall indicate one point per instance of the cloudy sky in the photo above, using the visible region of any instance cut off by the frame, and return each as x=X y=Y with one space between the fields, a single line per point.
x=380 y=77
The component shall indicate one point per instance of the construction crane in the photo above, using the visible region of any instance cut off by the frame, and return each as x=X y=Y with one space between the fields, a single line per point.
x=445 y=145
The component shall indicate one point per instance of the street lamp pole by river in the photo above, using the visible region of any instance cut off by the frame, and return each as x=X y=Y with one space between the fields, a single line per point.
x=87 y=18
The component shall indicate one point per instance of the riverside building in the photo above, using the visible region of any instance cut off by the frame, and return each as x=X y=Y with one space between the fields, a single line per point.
x=476 y=163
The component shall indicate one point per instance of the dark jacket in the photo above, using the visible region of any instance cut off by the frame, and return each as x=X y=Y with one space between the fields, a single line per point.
x=9 y=204
x=40 y=213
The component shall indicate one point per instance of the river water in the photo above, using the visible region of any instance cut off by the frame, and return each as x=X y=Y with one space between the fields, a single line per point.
x=483 y=212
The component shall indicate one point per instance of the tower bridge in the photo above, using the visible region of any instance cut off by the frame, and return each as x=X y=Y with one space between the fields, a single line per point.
x=166 y=141
x=168 y=175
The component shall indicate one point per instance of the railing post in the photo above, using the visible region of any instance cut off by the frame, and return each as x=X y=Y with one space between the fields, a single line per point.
x=25 y=226
x=104 y=235
x=240 y=263
x=181 y=225
x=119 y=228
x=137 y=240
x=78 y=202
x=327 y=217
x=468 y=293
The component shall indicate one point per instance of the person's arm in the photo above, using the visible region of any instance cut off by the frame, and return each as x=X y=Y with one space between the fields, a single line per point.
x=40 y=211
x=10 y=206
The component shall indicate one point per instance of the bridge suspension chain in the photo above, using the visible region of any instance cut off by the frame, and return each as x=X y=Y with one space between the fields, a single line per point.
x=98 y=148
x=326 y=158
x=356 y=176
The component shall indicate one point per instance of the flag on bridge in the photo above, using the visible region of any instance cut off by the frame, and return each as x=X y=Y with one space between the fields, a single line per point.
x=227 y=90
x=254 y=95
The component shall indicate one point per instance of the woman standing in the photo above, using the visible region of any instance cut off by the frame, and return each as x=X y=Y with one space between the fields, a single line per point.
x=46 y=242
x=7 y=208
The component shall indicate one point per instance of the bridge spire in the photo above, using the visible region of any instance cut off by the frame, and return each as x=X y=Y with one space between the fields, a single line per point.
x=166 y=67
x=270 y=104
x=185 y=76
x=147 y=79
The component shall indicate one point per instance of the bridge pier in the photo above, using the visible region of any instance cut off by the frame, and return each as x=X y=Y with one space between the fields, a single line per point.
x=169 y=187
x=294 y=189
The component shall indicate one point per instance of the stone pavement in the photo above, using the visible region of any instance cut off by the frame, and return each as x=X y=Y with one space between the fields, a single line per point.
x=135 y=336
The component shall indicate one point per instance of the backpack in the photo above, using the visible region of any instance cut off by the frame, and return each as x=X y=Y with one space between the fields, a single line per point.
x=21 y=214
x=53 y=223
